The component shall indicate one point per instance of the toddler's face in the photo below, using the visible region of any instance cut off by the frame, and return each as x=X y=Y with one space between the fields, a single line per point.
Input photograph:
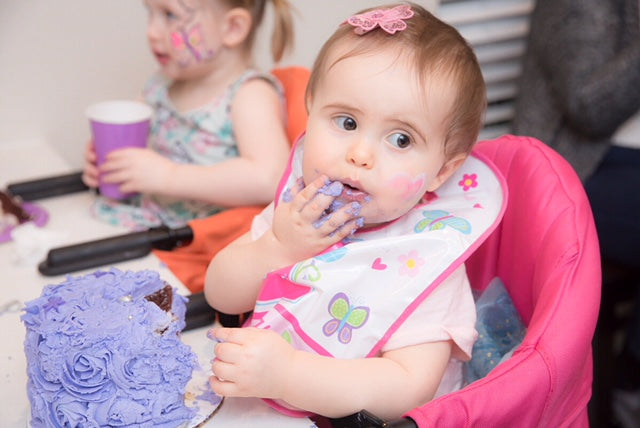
x=184 y=35
x=372 y=128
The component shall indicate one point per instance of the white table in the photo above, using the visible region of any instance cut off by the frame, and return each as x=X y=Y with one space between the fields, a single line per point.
x=19 y=281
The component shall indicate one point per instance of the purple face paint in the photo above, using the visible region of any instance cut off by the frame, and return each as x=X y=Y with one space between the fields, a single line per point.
x=191 y=44
x=188 y=38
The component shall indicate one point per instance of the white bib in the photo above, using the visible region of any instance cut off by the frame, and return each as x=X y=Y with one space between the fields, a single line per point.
x=347 y=301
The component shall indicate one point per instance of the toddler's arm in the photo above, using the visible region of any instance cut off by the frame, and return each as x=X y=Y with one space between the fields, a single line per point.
x=260 y=363
x=249 y=179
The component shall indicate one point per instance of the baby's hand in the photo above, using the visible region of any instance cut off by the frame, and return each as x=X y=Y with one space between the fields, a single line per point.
x=308 y=221
x=250 y=362
x=90 y=171
x=138 y=170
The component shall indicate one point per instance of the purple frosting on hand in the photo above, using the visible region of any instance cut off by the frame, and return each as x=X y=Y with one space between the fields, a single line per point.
x=354 y=209
x=318 y=223
x=287 y=196
x=335 y=205
x=99 y=353
x=332 y=188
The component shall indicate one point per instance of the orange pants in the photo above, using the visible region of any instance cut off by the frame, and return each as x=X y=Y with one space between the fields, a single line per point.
x=189 y=263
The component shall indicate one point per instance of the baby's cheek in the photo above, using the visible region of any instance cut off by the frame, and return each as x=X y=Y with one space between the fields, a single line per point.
x=406 y=187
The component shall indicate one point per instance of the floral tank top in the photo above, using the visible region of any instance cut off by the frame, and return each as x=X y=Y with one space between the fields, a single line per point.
x=202 y=136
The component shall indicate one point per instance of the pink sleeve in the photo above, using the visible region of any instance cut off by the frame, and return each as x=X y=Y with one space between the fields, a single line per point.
x=447 y=314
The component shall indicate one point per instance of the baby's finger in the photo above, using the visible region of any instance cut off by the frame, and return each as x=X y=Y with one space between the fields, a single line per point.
x=222 y=369
x=311 y=189
x=347 y=229
x=228 y=352
x=311 y=200
x=230 y=334
x=291 y=192
x=340 y=214
x=224 y=387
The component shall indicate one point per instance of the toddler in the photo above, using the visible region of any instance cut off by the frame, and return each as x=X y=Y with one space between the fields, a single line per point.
x=355 y=274
x=218 y=134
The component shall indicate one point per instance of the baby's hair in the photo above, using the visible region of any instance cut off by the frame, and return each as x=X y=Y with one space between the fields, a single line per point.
x=282 y=38
x=432 y=48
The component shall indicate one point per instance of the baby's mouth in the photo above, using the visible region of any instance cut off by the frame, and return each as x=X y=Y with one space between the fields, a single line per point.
x=344 y=194
x=353 y=194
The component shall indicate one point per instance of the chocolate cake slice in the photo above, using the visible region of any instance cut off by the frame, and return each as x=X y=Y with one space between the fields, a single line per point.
x=163 y=298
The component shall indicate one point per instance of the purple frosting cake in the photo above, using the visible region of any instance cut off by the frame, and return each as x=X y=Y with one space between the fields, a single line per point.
x=104 y=350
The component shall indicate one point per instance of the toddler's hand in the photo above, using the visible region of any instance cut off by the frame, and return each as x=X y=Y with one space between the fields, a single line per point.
x=308 y=221
x=90 y=171
x=137 y=170
x=250 y=362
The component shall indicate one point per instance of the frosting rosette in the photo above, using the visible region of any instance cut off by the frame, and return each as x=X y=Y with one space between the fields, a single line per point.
x=101 y=353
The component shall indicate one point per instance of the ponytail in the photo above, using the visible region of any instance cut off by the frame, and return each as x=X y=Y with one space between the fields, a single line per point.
x=282 y=38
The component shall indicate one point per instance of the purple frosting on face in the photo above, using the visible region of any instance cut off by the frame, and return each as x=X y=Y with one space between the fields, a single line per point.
x=100 y=354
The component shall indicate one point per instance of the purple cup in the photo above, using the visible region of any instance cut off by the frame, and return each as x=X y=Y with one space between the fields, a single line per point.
x=115 y=125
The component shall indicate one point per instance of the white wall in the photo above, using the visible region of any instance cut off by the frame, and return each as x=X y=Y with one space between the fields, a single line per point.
x=56 y=57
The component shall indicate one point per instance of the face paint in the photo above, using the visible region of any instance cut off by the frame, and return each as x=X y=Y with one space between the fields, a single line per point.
x=191 y=42
x=407 y=187
x=188 y=40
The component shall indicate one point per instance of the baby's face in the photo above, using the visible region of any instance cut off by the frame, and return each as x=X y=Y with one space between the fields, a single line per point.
x=371 y=128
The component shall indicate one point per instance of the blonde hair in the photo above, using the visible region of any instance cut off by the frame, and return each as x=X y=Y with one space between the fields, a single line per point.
x=432 y=48
x=282 y=37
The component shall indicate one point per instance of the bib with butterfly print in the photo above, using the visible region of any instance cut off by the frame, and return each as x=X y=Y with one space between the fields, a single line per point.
x=348 y=301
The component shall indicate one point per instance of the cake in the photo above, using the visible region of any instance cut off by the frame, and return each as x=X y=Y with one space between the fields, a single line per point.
x=103 y=349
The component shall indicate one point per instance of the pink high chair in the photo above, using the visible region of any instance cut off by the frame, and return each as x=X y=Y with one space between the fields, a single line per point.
x=546 y=252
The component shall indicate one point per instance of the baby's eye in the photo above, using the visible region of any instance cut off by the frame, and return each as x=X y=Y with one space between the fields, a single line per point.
x=345 y=122
x=400 y=140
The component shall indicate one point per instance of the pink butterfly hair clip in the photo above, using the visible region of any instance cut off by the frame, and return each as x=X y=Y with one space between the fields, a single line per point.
x=390 y=20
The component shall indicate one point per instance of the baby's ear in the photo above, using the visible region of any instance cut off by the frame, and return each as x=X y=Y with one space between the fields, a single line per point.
x=447 y=171
x=237 y=26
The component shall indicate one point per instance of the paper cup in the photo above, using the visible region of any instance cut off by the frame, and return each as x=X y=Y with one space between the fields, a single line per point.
x=115 y=125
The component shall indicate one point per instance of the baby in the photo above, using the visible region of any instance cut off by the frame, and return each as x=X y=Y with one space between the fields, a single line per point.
x=355 y=274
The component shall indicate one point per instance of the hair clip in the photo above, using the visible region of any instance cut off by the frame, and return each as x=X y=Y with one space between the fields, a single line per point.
x=390 y=20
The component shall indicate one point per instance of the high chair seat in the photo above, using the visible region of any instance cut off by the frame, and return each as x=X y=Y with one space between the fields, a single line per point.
x=546 y=252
